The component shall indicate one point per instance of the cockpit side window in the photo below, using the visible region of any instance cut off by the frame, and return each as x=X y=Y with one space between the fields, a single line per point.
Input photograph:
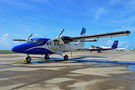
x=40 y=42
x=33 y=41
x=37 y=41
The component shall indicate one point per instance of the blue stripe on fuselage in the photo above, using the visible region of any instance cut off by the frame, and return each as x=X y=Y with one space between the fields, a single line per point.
x=32 y=48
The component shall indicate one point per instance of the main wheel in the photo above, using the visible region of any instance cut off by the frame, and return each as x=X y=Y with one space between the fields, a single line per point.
x=66 y=57
x=47 y=56
x=28 y=59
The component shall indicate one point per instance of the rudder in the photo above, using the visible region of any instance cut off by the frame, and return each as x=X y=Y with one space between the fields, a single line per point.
x=115 y=44
x=82 y=44
x=83 y=32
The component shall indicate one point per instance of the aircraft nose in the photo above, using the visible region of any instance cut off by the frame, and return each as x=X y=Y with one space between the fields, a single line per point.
x=13 y=49
x=16 y=49
x=19 y=48
x=22 y=48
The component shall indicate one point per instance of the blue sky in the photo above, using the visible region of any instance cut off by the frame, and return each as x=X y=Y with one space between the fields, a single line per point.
x=47 y=18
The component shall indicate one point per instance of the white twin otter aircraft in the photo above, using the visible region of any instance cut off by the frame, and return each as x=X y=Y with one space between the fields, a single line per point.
x=59 y=45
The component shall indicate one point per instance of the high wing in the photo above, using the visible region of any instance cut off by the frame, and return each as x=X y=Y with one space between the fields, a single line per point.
x=113 y=34
x=85 y=40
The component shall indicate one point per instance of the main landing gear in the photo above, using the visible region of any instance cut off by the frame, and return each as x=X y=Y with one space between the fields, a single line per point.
x=47 y=56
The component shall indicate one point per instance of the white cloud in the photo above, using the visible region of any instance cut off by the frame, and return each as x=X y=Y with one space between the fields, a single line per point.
x=99 y=12
x=109 y=43
x=5 y=35
x=27 y=30
x=4 y=41
x=22 y=4
x=114 y=1
x=36 y=34
x=106 y=43
x=123 y=44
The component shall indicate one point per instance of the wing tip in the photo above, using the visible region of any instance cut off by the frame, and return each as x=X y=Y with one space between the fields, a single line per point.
x=127 y=32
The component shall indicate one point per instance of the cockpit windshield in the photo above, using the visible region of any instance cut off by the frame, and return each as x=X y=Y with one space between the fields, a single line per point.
x=33 y=41
x=37 y=41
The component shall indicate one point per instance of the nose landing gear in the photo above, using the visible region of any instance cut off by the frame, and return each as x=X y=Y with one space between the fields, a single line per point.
x=28 y=59
x=66 y=57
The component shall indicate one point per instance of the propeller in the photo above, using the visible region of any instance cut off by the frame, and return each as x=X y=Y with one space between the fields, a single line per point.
x=26 y=40
x=58 y=38
x=61 y=33
x=30 y=36
x=62 y=39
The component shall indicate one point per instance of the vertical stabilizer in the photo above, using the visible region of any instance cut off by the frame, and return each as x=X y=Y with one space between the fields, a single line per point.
x=82 y=44
x=115 y=44
x=83 y=32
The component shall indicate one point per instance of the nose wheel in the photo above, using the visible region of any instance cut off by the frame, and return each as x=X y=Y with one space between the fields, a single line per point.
x=66 y=57
x=28 y=59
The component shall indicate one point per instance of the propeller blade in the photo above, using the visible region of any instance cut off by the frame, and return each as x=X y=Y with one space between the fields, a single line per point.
x=30 y=36
x=19 y=40
x=61 y=32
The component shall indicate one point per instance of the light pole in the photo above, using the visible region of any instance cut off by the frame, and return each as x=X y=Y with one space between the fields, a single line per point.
x=131 y=44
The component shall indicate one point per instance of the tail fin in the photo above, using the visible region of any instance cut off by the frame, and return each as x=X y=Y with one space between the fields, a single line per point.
x=82 y=44
x=115 y=44
x=83 y=32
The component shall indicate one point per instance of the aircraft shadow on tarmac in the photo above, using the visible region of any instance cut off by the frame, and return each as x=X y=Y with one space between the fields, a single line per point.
x=61 y=59
x=42 y=60
x=81 y=60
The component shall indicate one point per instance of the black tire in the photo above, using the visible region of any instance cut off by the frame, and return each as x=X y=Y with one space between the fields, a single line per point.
x=99 y=51
x=66 y=57
x=28 y=59
x=47 y=56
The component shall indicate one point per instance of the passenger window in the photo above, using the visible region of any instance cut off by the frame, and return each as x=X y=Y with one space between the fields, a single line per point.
x=54 y=44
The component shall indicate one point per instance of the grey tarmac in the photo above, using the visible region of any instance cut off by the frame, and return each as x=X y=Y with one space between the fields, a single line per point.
x=83 y=71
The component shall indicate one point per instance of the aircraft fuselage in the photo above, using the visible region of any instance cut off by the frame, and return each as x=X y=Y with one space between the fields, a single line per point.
x=45 y=46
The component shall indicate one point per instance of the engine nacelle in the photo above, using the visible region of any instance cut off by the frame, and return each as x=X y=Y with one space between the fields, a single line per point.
x=59 y=40
x=63 y=39
x=66 y=39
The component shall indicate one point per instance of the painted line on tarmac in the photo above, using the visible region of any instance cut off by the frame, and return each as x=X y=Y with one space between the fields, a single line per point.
x=18 y=61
